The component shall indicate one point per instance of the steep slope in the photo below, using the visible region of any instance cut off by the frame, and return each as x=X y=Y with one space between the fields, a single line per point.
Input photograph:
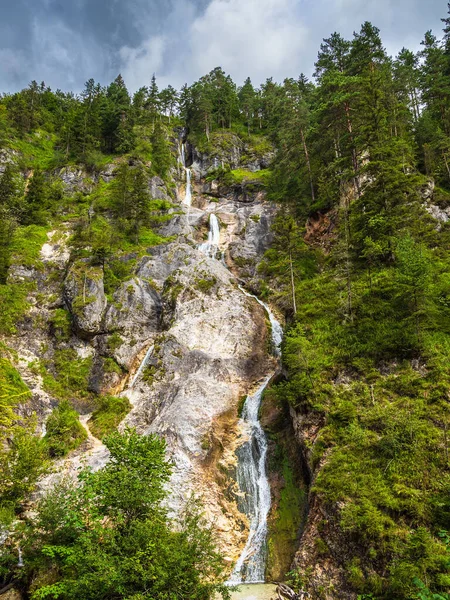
x=177 y=337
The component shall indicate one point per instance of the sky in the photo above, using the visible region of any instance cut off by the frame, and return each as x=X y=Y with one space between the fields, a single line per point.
x=66 y=42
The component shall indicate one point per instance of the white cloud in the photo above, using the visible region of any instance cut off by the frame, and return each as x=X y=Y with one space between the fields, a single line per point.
x=140 y=63
x=254 y=38
x=249 y=37
x=67 y=43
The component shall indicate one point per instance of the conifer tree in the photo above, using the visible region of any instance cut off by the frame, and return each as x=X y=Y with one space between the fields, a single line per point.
x=247 y=96
x=35 y=206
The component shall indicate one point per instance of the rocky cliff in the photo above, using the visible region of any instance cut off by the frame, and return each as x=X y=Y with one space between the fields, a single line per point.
x=178 y=338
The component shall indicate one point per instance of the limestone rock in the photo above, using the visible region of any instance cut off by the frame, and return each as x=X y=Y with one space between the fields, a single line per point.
x=75 y=179
x=85 y=298
x=8 y=156
x=158 y=189
x=107 y=174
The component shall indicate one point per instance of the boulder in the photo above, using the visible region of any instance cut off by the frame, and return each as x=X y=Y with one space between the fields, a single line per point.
x=85 y=298
x=136 y=305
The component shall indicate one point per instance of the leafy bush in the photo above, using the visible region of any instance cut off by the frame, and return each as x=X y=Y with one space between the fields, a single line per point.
x=64 y=430
x=110 y=413
x=110 y=537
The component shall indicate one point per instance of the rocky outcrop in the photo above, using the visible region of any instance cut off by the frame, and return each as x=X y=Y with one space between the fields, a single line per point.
x=85 y=298
x=158 y=189
x=211 y=351
x=75 y=179
x=228 y=151
x=178 y=338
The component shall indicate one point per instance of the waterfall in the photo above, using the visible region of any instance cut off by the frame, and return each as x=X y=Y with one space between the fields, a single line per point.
x=188 y=196
x=142 y=366
x=212 y=245
x=277 y=330
x=254 y=485
x=251 y=475
x=181 y=154
x=252 y=478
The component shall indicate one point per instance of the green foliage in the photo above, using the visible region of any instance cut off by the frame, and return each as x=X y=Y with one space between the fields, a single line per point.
x=12 y=391
x=64 y=430
x=36 y=200
x=27 y=243
x=161 y=154
x=61 y=325
x=110 y=536
x=109 y=413
x=13 y=305
x=205 y=285
x=66 y=376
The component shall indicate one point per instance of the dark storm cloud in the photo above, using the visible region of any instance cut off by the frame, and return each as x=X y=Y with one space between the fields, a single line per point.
x=66 y=42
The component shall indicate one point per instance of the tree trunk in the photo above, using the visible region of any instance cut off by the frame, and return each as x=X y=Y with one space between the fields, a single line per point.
x=308 y=162
x=294 y=301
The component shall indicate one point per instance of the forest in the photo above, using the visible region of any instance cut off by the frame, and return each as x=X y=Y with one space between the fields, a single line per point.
x=359 y=267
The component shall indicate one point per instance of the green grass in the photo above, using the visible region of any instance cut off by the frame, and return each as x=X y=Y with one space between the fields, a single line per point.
x=66 y=377
x=37 y=149
x=27 y=245
x=240 y=176
x=109 y=414
x=288 y=517
x=12 y=389
x=13 y=306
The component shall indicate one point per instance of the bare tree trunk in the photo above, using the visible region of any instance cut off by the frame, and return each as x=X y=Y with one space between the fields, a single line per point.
x=446 y=164
x=348 y=263
x=294 y=301
x=308 y=162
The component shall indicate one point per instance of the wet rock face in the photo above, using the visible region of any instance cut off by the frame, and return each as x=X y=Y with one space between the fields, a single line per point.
x=85 y=297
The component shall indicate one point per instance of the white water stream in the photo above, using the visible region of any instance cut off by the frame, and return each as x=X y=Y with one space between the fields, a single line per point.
x=141 y=366
x=252 y=476
x=188 y=196
x=211 y=247
x=251 y=472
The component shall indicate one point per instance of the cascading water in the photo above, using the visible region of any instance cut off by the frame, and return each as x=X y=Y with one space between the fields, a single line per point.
x=251 y=472
x=252 y=477
x=142 y=366
x=211 y=247
x=181 y=155
x=182 y=161
x=188 y=196
x=277 y=330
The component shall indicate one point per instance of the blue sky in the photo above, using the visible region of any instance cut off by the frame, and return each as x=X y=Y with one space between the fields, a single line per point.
x=65 y=42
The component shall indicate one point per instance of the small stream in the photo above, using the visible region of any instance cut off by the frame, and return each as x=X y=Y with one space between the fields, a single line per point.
x=255 y=495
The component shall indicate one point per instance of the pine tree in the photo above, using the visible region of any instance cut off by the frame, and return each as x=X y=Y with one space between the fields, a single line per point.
x=36 y=205
x=247 y=96
x=153 y=100
x=168 y=99
x=7 y=187
x=161 y=155
x=7 y=228
x=140 y=201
